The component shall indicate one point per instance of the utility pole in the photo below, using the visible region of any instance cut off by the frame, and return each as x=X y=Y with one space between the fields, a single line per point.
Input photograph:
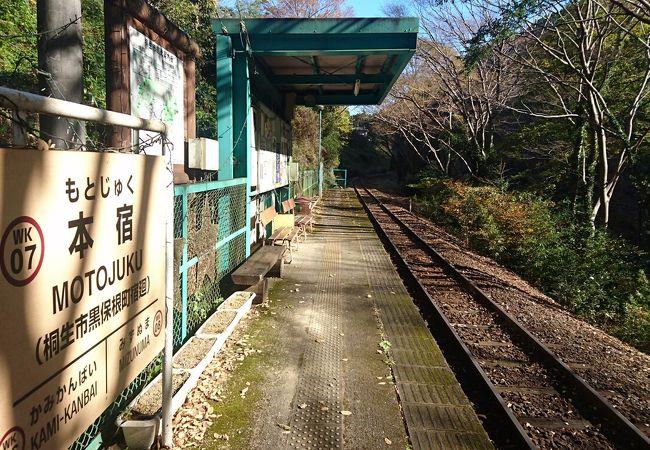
x=320 y=145
x=60 y=67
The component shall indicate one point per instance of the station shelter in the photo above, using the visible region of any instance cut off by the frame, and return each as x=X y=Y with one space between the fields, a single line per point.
x=267 y=67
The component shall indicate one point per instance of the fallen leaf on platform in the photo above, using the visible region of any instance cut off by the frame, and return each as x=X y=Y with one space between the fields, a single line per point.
x=302 y=406
x=284 y=427
x=346 y=413
x=388 y=441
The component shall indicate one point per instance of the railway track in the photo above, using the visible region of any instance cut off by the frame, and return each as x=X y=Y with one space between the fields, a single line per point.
x=528 y=395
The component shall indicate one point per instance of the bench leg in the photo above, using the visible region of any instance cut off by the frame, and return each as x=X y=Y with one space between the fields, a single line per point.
x=261 y=290
x=288 y=247
x=276 y=271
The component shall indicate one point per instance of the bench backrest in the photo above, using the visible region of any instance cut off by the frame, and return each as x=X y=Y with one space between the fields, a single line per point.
x=268 y=215
x=288 y=205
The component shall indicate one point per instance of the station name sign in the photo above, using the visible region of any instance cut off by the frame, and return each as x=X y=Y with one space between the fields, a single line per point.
x=82 y=287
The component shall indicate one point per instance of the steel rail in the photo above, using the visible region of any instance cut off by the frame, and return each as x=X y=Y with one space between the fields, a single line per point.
x=514 y=434
x=633 y=437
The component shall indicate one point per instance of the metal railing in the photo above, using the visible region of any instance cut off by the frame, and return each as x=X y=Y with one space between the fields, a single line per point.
x=341 y=177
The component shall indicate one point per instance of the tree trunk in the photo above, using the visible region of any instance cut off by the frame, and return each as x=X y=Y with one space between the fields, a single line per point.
x=60 y=62
x=581 y=200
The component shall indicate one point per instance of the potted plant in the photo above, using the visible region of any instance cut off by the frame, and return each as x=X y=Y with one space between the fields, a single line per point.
x=140 y=431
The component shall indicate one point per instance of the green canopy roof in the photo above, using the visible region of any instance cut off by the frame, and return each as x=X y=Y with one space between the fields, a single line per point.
x=325 y=61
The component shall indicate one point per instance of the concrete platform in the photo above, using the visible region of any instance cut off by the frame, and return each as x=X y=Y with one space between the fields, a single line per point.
x=353 y=365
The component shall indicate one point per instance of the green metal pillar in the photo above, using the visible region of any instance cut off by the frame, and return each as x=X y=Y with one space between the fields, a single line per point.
x=225 y=226
x=224 y=106
x=242 y=123
x=241 y=100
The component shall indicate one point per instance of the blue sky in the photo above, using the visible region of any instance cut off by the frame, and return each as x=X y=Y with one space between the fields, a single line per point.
x=362 y=8
x=366 y=8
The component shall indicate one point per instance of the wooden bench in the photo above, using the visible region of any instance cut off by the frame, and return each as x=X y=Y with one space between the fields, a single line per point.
x=301 y=221
x=307 y=206
x=284 y=232
x=251 y=276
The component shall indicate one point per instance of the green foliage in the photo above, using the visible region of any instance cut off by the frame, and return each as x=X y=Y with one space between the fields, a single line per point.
x=92 y=25
x=19 y=55
x=18 y=45
x=599 y=277
x=336 y=128
x=538 y=156
x=366 y=152
x=641 y=180
x=203 y=303
x=305 y=137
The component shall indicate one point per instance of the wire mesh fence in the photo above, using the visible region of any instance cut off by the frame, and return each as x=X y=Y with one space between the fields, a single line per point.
x=209 y=242
x=307 y=184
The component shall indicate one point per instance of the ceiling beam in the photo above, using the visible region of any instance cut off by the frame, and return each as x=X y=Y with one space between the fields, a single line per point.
x=359 y=66
x=314 y=65
x=339 y=99
x=346 y=52
x=283 y=80
x=298 y=45
x=390 y=60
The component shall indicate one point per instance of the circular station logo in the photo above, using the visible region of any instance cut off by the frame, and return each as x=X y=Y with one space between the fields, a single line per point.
x=22 y=249
x=14 y=439
x=157 y=323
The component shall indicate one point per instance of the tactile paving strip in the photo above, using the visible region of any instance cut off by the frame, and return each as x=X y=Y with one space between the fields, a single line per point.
x=316 y=419
x=437 y=412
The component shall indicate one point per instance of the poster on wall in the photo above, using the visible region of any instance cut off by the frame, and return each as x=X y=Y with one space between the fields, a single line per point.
x=272 y=154
x=82 y=287
x=157 y=82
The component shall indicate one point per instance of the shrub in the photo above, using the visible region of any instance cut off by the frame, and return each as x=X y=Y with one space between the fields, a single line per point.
x=598 y=276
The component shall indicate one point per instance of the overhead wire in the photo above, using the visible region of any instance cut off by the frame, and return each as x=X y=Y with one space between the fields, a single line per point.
x=57 y=30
